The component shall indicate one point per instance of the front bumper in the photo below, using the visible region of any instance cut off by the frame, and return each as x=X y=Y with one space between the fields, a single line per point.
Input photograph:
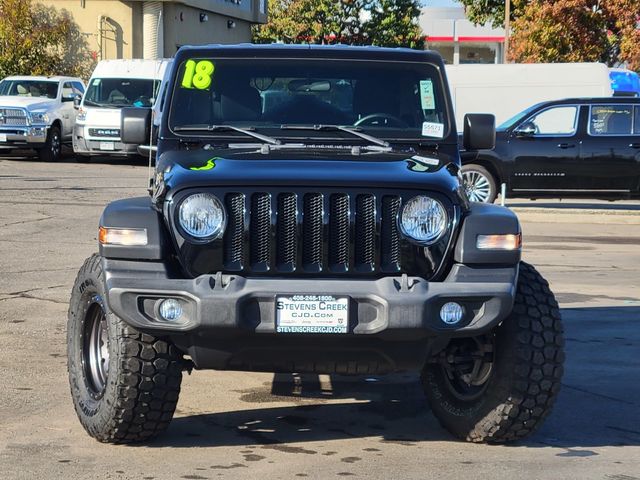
x=231 y=303
x=83 y=144
x=229 y=321
x=25 y=137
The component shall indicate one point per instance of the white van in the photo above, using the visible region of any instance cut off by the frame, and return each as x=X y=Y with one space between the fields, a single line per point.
x=507 y=89
x=114 y=84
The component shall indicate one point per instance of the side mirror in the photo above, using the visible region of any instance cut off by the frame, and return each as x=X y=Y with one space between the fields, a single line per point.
x=77 y=100
x=527 y=129
x=479 y=131
x=135 y=125
x=69 y=98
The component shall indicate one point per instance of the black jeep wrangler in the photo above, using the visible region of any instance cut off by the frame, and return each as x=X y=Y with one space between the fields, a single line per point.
x=306 y=215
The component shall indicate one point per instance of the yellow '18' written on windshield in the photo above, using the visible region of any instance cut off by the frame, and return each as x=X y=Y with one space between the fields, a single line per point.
x=197 y=74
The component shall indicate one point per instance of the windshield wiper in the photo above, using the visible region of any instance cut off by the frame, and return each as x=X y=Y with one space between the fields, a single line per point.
x=223 y=128
x=338 y=128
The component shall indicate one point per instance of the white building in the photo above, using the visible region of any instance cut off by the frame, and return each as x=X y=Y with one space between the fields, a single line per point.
x=458 y=40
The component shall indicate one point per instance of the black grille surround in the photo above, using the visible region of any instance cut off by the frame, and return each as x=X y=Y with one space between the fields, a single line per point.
x=311 y=232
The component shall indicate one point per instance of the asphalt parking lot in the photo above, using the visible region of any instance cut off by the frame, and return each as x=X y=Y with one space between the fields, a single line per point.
x=249 y=425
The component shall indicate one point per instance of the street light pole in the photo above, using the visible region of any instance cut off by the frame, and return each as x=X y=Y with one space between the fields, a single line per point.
x=507 y=21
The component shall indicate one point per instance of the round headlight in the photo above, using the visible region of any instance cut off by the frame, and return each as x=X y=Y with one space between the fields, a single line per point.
x=201 y=216
x=424 y=219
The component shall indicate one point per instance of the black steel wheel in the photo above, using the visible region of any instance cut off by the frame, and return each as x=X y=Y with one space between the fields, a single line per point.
x=467 y=366
x=95 y=347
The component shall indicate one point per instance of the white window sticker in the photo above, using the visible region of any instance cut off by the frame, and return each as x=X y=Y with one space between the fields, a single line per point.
x=426 y=95
x=430 y=129
x=426 y=160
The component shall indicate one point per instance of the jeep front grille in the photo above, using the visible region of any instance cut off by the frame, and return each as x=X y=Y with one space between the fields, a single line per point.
x=307 y=232
x=314 y=232
x=15 y=117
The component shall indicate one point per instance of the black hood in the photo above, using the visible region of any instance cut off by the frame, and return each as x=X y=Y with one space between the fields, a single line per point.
x=434 y=171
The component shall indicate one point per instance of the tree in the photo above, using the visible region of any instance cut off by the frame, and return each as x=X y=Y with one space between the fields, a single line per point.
x=482 y=12
x=388 y=23
x=393 y=23
x=39 y=40
x=577 y=31
x=560 y=31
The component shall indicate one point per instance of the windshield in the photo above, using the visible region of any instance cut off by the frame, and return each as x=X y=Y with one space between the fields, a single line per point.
x=29 y=88
x=386 y=99
x=121 y=92
x=517 y=117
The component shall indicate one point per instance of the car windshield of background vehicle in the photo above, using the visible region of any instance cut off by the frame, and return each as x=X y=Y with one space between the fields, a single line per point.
x=517 y=118
x=392 y=100
x=121 y=92
x=29 y=88
x=613 y=120
x=556 y=121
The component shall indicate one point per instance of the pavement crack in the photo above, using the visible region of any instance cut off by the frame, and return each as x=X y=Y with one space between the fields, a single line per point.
x=33 y=297
x=597 y=394
x=20 y=292
x=38 y=270
x=21 y=222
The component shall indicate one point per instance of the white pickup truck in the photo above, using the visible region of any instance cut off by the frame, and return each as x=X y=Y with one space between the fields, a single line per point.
x=38 y=113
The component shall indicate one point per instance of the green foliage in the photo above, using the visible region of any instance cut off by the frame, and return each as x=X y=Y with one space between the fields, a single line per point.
x=483 y=12
x=577 y=31
x=566 y=30
x=389 y=23
x=39 y=40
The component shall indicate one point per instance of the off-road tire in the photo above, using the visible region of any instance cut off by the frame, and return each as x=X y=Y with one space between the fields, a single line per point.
x=478 y=172
x=527 y=369
x=142 y=386
x=52 y=149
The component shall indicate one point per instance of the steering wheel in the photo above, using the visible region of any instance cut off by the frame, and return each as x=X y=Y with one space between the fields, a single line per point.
x=378 y=119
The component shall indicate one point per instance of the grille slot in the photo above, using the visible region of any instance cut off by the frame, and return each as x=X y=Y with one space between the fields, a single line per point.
x=260 y=232
x=339 y=233
x=365 y=233
x=234 y=234
x=286 y=240
x=312 y=228
x=390 y=237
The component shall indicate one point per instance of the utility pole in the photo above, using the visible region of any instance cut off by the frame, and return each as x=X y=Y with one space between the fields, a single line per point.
x=507 y=22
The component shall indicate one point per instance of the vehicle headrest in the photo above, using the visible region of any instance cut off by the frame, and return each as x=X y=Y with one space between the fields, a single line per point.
x=372 y=97
x=240 y=102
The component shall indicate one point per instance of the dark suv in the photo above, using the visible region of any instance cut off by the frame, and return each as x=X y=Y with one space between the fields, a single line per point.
x=306 y=215
x=580 y=147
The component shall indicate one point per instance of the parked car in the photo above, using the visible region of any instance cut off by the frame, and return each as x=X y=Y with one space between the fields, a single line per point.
x=114 y=84
x=273 y=240
x=581 y=147
x=38 y=113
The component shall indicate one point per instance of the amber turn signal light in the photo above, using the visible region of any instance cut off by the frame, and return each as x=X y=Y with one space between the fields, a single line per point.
x=129 y=237
x=499 y=242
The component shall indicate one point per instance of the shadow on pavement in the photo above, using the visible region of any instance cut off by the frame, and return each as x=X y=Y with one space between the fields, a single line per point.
x=69 y=157
x=598 y=405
